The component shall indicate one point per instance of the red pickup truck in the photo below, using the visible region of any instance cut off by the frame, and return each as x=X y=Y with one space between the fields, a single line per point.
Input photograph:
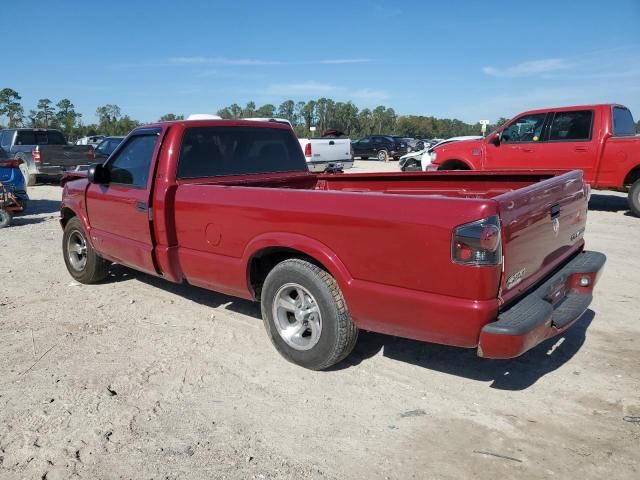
x=600 y=140
x=486 y=260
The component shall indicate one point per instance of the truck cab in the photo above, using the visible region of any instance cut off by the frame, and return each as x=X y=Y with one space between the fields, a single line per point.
x=600 y=140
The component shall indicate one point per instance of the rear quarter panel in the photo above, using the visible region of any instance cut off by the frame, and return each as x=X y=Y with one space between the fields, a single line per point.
x=620 y=155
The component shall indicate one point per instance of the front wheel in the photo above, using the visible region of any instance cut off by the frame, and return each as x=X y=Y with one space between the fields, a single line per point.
x=634 y=198
x=305 y=315
x=82 y=261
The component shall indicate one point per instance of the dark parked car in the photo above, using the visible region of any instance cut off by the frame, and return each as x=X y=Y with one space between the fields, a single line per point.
x=106 y=147
x=380 y=146
x=43 y=152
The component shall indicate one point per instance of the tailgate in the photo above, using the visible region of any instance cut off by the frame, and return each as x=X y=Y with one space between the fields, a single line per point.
x=542 y=225
x=65 y=155
x=331 y=150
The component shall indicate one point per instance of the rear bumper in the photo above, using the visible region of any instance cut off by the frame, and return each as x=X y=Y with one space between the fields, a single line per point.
x=321 y=166
x=548 y=310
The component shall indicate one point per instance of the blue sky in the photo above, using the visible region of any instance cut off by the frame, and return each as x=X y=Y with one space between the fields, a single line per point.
x=467 y=59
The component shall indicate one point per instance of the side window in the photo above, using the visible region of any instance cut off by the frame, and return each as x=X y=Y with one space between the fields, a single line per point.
x=26 y=137
x=525 y=129
x=623 y=123
x=131 y=166
x=571 y=126
x=365 y=141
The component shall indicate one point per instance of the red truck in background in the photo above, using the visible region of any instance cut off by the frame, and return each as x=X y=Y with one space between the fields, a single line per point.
x=486 y=260
x=600 y=140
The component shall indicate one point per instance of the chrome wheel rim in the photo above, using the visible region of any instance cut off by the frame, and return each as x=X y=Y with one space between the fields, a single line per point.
x=381 y=155
x=297 y=317
x=77 y=250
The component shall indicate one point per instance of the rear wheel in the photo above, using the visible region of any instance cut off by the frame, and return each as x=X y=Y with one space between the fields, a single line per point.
x=82 y=261
x=634 y=198
x=305 y=315
x=5 y=218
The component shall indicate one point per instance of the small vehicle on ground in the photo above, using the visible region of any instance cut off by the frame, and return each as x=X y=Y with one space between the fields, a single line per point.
x=93 y=140
x=493 y=261
x=13 y=189
x=43 y=152
x=106 y=147
x=416 y=161
x=600 y=140
x=382 y=147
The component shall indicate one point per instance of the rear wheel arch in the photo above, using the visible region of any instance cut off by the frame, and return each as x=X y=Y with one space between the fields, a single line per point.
x=66 y=214
x=632 y=177
x=265 y=253
x=454 y=164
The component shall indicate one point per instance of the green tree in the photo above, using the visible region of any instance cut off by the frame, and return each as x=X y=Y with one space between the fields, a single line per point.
x=67 y=116
x=11 y=108
x=248 y=111
x=287 y=109
x=266 y=111
x=170 y=117
x=46 y=111
x=108 y=117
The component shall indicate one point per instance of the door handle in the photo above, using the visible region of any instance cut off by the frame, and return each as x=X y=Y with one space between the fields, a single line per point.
x=331 y=142
x=526 y=149
x=581 y=149
x=141 y=207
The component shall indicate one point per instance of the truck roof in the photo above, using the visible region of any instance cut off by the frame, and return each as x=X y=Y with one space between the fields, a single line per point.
x=573 y=107
x=222 y=123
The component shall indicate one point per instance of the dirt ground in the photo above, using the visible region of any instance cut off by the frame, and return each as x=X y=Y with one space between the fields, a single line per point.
x=139 y=378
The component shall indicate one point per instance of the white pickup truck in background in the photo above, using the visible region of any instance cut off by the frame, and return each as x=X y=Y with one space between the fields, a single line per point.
x=324 y=153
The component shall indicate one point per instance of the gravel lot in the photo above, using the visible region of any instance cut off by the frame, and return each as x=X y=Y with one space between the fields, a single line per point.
x=139 y=378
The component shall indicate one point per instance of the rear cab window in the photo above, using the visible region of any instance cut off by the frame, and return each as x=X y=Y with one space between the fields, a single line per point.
x=571 y=126
x=227 y=151
x=623 y=124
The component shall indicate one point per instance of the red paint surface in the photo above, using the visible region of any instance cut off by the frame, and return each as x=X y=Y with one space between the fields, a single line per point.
x=605 y=160
x=386 y=238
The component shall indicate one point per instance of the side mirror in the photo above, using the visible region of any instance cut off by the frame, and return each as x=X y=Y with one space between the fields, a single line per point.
x=97 y=173
x=496 y=139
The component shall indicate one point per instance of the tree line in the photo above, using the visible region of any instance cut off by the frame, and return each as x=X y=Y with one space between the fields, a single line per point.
x=322 y=113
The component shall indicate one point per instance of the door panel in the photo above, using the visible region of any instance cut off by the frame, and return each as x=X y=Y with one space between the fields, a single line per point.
x=118 y=211
x=571 y=143
x=520 y=147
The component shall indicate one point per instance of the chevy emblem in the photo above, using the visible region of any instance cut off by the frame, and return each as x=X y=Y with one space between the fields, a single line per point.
x=556 y=227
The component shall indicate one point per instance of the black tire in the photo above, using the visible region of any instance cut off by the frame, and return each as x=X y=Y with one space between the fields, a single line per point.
x=382 y=156
x=5 y=218
x=634 y=198
x=364 y=158
x=338 y=334
x=94 y=268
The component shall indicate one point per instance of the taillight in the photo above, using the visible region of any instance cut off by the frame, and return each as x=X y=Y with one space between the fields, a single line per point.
x=36 y=156
x=11 y=163
x=307 y=150
x=477 y=243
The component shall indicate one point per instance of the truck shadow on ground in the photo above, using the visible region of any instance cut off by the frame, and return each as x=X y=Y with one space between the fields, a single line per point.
x=608 y=203
x=514 y=374
x=208 y=298
x=36 y=207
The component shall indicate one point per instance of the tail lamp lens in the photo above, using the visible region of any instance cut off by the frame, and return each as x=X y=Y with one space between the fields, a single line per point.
x=307 y=150
x=36 y=156
x=477 y=243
